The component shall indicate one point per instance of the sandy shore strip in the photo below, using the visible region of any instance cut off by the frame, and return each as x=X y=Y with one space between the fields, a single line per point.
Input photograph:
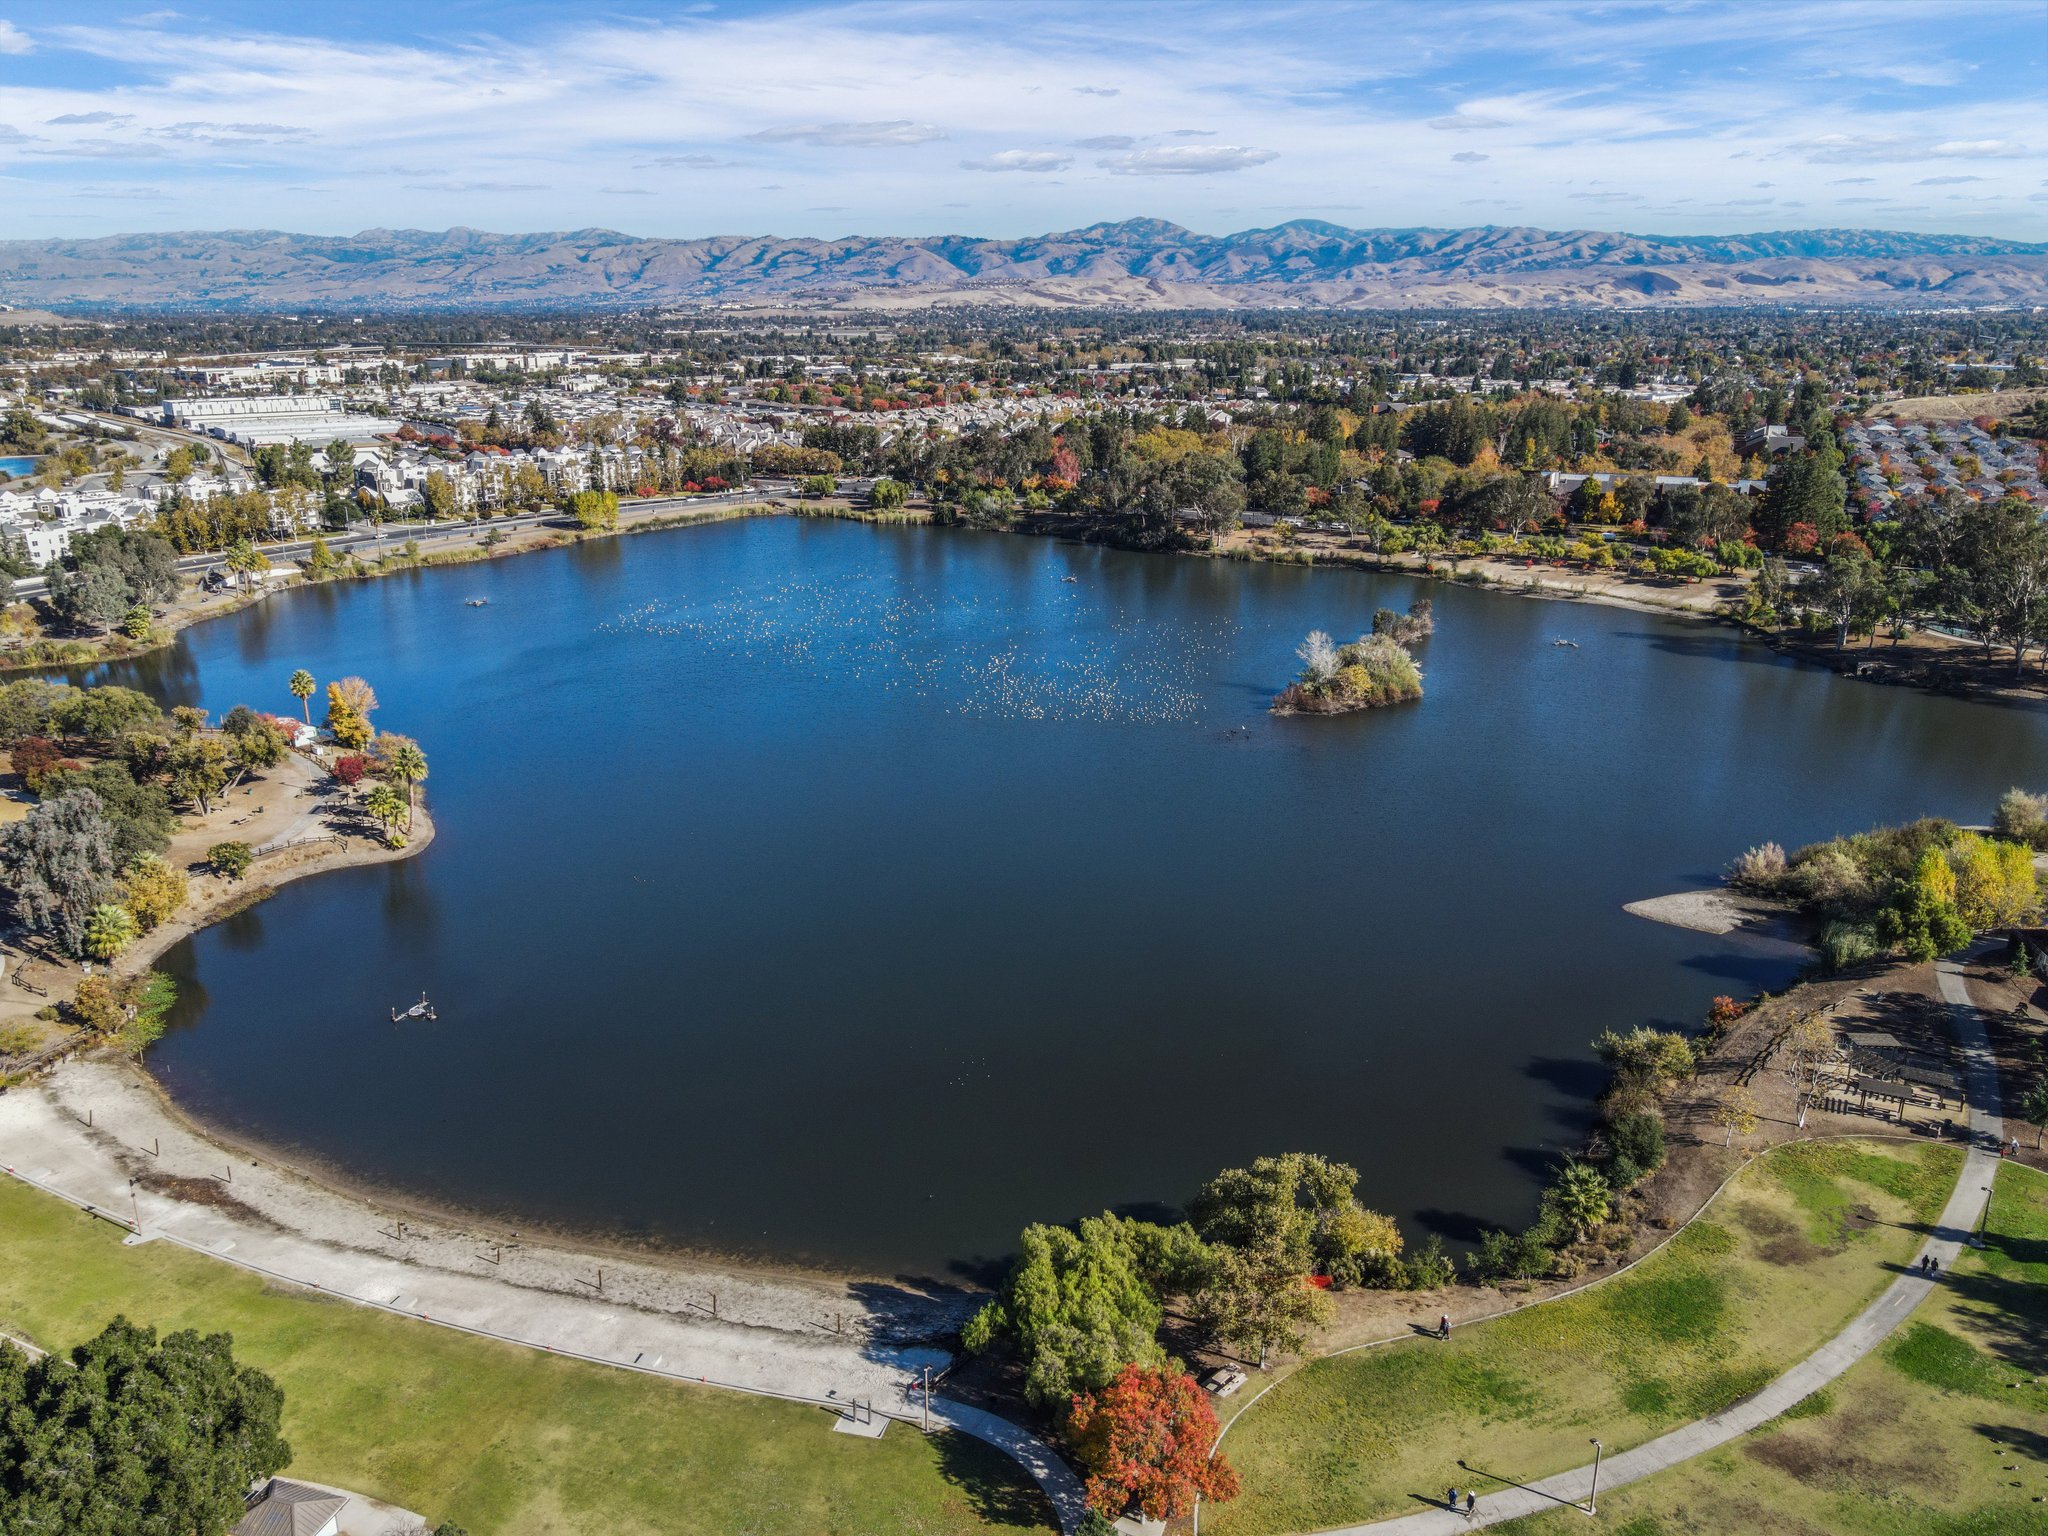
x=94 y=1131
x=1722 y=913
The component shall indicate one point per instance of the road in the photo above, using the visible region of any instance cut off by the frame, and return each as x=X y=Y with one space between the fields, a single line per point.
x=380 y=538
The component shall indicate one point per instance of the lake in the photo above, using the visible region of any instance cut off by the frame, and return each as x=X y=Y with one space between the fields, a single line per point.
x=852 y=896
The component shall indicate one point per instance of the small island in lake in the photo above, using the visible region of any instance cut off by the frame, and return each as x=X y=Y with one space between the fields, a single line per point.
x=1373 y=670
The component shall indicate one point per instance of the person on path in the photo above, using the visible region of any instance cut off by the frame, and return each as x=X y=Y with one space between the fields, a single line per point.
x=1934 y=1266
x=1443 y=1326
x=1471 y=1503
x=1451 y=1499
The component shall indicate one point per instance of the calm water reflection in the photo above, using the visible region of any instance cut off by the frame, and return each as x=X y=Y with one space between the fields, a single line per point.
x=855 y=895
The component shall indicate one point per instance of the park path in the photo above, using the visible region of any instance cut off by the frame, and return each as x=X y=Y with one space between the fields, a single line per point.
x=1824 y=1365
x=94 y=1135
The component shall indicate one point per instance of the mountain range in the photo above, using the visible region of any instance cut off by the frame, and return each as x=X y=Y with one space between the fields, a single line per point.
x=1137 y=263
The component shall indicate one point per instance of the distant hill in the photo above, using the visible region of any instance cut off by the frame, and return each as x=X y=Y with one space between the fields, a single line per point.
x=1144 y=263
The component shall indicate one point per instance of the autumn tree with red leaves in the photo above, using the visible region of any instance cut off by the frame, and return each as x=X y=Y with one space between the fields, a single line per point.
x=1146 y=1439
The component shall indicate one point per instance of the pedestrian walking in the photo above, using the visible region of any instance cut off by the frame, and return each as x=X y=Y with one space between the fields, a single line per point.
x=1934 y=1266
x=1471 y=1503
x=1443 y=1326
x=1451 y=1499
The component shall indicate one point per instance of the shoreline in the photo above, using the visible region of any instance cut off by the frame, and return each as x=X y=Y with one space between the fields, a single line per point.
x=285 y=869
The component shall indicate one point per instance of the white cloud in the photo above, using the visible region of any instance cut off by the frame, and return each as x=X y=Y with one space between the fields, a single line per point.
x=1187 y=160
x=1108 y=141
x=1945 y=181
x=1461 y=122
x=1020 y=160
x=1470 y=157
x=84 y=119
x=851 y=135
x=1856 y=148
x=1097 y=90
x=478 y=186
x=13 y=40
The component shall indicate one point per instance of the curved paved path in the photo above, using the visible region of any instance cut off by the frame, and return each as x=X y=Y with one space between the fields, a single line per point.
x=1863 y=1335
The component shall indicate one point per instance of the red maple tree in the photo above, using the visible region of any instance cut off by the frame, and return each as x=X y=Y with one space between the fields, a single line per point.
x=1146 y=1439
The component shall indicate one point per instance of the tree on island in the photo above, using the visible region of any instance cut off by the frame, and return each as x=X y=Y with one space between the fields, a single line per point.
x=349 y=703
x=403 y=760
x=1146 y=1439
x=302 y=686
x=387 y=807
x=129 y=1435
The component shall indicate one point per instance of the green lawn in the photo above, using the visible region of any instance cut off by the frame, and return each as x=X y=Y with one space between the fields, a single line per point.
x=1802 y=1241
x=498 y=1438
x=1943 y=1432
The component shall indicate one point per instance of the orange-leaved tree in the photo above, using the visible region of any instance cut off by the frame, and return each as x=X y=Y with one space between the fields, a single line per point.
x=1146 y=1439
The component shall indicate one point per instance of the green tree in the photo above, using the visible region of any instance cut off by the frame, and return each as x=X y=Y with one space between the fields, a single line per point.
x=59 y=862
x=437 y=493
x=406 y=763
x=1299 y=1211
x=888 y=495
x=199 y=770
x=302 y=686
x=139 y=818
x=230 y=859
x=387 y=807
x=2033 y=1108
x=1257 y=1299
x=595 y=511
x=129 y=1435
x=1578 y=1197
x=1080 y=1303
x=109 y=930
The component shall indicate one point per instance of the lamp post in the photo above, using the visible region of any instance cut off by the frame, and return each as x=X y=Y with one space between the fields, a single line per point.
x=1983 y=1220
x=1593 y=1498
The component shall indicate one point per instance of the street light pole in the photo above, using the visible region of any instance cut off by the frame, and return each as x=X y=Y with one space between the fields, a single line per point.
x=1593 y=1498
x=1983 y=1220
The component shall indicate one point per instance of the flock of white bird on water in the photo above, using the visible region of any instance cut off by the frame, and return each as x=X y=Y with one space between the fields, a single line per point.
x=1054 y=654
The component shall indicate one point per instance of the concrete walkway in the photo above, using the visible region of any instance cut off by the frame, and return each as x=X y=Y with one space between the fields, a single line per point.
x=92 y=1135
x=1863 y=1335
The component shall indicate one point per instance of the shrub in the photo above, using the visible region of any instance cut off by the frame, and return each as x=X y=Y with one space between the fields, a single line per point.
x=34 y=757
x=1638 y=1138
x=1844 y=944
x=1761 y=870
x=1431 y=1268
x=1370 y=672
x=18 y=1039
x=1831 y=882
x=350 y=770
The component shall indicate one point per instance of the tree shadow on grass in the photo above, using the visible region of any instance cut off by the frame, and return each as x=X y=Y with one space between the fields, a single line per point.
x=2014 y=1438
x=994 y=1488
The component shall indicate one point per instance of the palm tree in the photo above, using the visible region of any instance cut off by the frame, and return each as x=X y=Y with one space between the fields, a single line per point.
x=384 y=805
x=302 y=686
x=409 y=764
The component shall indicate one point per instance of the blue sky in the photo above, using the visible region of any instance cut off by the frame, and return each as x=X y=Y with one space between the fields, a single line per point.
x=1023 y=117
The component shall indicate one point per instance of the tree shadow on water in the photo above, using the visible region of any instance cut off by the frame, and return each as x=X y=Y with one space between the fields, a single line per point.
x=995 y=1489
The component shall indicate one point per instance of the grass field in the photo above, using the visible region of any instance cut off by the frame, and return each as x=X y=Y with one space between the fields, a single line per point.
x=1802 y=1241
x=502 y=1439
x=1943 y=1432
